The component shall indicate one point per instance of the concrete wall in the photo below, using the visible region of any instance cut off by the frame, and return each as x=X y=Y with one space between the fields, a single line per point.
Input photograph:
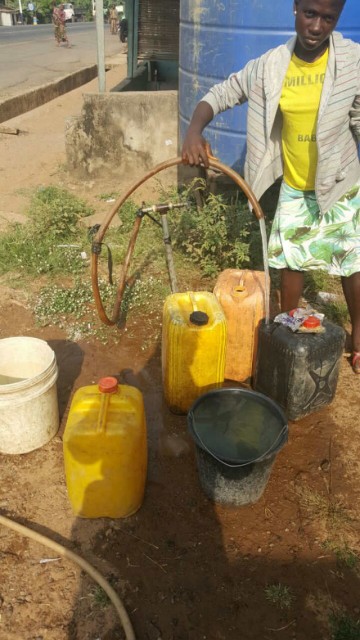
x=122 y=132
x=7 y=17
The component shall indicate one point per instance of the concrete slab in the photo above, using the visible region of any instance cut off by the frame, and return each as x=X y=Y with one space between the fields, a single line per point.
x=16 y=105
x=13 y=106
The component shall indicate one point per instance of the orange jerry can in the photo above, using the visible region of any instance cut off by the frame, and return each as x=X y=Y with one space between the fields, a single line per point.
x=241 y=293
x=105 y=450
x=193 y=347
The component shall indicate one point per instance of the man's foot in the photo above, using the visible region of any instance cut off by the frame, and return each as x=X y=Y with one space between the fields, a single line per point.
x=355 y=361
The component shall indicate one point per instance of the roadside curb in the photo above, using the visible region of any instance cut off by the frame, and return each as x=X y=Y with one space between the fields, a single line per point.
x=17 y=105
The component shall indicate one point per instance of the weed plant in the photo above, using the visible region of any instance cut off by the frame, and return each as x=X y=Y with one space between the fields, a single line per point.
x=101 y=599
x=113 y=195
x=32 y=256
x=127 y=215
x=72 y=308
x=215 y=235
x=51 y=241
x=315 y=281
x=280 y=595
x=329 y=510
x=145 y=294
x=345 y=556
x=57 y=302
x=335 y=311
x=344 y=627
x=55 y=212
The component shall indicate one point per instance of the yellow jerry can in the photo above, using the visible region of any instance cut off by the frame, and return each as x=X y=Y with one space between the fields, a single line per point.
x=241 y=294
x=105 y=450
x=193 y=347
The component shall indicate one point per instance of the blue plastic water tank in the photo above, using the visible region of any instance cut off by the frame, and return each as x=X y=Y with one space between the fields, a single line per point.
x=218 y=38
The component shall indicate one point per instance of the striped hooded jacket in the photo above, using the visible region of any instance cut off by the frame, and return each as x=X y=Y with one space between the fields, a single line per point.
x=338 y=124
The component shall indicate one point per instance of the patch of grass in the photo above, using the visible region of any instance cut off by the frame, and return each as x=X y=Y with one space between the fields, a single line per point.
x=21 y=251
x=72 y=309
x=100 y=597
x=56 y=212
x=145 y=293
x=344 y=627
x=51 y=241
x=315 y=281
x=280 y=595
x=330 y=509
x=345 y=556
x=127 y=215
x=57 y=302
x=210 y=237
x=108 y=196
x=337 y=312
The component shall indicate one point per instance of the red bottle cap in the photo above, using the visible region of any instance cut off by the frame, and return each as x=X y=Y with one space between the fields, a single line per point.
x=311 y=322
x=108 y=385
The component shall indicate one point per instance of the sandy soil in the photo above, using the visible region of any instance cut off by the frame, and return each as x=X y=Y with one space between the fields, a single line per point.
x=187 y=569
x=36 y=156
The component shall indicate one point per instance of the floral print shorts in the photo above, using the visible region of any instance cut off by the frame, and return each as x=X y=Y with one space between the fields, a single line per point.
x=302 y=238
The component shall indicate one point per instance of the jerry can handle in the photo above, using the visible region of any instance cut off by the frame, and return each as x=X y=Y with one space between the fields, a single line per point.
x=104 y=404
x=242 y=464
x=241 y=285
x=107 y=386
x=193 y=301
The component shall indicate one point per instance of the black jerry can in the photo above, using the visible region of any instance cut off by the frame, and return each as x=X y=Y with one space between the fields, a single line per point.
x=298 y=370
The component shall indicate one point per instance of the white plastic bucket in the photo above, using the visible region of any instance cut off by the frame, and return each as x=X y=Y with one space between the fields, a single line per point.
x=29 y=414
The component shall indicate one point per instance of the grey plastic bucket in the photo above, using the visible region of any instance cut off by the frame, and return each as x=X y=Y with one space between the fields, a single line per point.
x=234 y=456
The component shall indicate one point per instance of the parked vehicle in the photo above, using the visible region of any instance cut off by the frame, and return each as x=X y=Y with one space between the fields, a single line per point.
x=80 y=14
x=123 y=31
x=69 y=12
x=73 y=14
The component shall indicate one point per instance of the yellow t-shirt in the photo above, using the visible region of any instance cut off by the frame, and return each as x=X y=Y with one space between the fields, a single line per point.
x=299 y=104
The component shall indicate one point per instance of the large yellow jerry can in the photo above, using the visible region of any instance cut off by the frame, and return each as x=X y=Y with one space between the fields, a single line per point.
x=193 y=347
x=105 y=450
x=241 y=294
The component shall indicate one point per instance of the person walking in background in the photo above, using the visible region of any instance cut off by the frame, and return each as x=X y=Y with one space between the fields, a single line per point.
x=304 y=125
x=113 y=18
x=59 y=22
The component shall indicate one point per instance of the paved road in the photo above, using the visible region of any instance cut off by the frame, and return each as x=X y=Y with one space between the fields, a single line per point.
x=29 y=57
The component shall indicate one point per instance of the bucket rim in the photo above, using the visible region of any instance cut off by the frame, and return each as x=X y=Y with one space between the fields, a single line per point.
x=29 y=385
x=28 y=339
x=232 y=462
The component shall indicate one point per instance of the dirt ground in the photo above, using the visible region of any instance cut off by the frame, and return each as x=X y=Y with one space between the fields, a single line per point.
x=185 y=568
